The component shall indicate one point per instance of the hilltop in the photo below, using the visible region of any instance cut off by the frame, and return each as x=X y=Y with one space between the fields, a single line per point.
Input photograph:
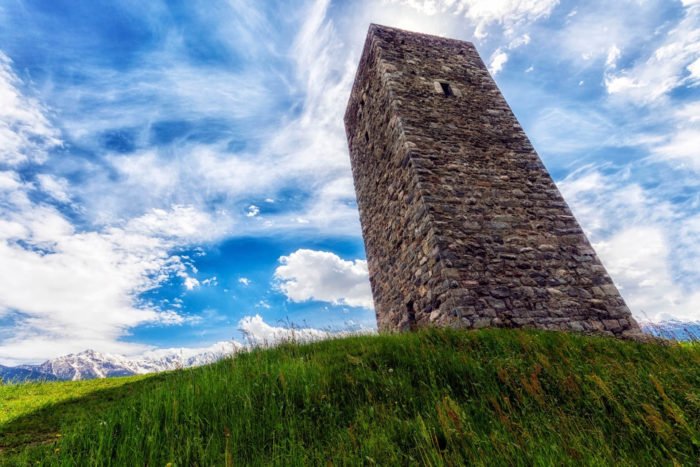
x=431 y=397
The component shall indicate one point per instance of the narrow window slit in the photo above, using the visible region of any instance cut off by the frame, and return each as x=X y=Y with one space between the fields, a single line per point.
x=447 y=89
x=411 y=314
x=366 y=137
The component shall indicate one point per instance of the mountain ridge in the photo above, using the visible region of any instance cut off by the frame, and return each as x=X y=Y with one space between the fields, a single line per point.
x=90 y=364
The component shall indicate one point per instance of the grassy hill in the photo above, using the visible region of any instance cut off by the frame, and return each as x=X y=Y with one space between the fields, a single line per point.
x=438 y=397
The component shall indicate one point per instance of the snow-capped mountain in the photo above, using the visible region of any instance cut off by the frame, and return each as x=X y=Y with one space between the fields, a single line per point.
x=672 y=329
x=91 y=364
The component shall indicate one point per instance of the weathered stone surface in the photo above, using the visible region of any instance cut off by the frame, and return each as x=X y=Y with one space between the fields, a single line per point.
x=463 y=226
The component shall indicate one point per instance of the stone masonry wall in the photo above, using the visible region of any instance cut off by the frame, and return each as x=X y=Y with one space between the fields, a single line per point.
x=463 y=226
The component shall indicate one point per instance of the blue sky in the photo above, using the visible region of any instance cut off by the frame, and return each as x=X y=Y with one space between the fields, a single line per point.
x=175 y=173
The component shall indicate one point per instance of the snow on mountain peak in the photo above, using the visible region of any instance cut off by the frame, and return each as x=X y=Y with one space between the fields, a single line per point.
x=90 y=364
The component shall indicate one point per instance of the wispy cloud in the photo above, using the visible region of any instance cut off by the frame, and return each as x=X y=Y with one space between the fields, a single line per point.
x=664 y=69
x=508 y=13
x=25 y=132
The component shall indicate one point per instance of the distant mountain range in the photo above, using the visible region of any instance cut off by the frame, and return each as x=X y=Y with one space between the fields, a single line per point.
x=90 y=364
x=678 y=330
x=10 y=373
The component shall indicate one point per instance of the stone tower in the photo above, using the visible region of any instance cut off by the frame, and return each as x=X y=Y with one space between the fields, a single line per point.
x=462 y=224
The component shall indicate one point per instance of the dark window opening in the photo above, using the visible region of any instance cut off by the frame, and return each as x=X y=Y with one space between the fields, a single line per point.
x=362 y=104
x=411 y=315
x=366 y=137
x=447 y=89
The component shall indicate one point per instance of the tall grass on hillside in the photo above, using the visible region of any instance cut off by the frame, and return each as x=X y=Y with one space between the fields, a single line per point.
x=437 y=397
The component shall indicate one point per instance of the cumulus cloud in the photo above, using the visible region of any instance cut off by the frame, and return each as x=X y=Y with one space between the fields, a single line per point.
x=324 y=276
x=244 y=280
x=253 y=211
x=191 y=283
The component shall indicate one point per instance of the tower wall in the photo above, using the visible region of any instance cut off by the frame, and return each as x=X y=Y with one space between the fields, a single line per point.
x=462 y=224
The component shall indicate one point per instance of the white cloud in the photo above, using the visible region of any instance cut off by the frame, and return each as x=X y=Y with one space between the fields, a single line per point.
x=74 y=290
x=25 y=132
x=259 y=332
x=253 y=211
x=173 y=226
x=613 y=56
x=519 y=41
x=321 y=275
x=219 y=348
x=55 y=187
x=9 y=181
x=598 y=25
x=212 y=281
x=638 y=259
x=694 y=69
x=682 y=148
x=244 y=280
x=191 y=283
x=653 y=77
x=498 y=59
x=507 y=13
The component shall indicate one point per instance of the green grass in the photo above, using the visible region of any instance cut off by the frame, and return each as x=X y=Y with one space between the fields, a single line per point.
x=438 y=397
